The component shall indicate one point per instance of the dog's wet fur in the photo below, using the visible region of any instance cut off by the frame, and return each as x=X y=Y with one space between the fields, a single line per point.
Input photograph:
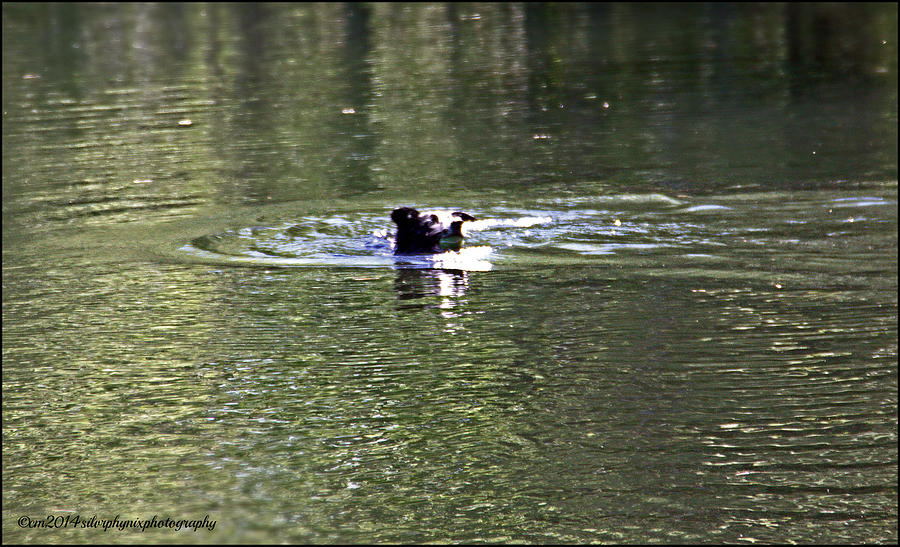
x=421 y=233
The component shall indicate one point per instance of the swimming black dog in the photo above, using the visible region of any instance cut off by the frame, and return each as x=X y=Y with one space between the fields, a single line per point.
x=428 y=231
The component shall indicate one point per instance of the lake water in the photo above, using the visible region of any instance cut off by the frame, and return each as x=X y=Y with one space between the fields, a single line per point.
x=674 y=321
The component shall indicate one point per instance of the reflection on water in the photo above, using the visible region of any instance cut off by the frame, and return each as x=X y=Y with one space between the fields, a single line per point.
x=676 y=320
x=413 y=285
x=473 y=259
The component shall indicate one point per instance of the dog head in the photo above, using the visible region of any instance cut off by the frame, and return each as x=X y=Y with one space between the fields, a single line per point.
x=428 y=231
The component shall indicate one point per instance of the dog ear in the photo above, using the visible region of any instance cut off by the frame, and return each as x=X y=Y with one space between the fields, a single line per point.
x=464 y=216
x=403 y=214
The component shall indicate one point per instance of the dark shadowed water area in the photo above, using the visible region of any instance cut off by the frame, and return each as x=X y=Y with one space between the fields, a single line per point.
x=674 y=321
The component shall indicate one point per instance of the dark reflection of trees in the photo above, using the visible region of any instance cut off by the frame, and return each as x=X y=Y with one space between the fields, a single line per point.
x=53 y=33
x=440 y=98
x=252 y=27
x=359 y=141
x=834 y=40
x=542 y=28
x=175 y=33
x=251 y=84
